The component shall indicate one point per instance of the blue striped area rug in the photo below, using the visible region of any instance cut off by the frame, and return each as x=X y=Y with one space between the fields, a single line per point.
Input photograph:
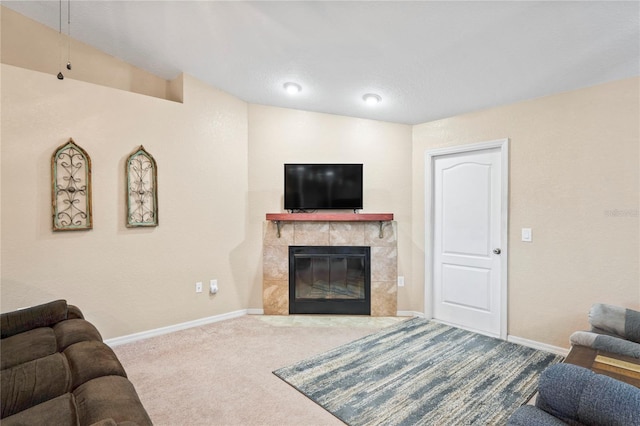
x=420 y=372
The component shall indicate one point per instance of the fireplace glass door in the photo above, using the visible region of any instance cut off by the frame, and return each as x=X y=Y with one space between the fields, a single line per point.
x=329 y=280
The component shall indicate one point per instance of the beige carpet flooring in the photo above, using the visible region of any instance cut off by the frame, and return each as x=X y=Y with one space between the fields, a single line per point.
x=221 y=373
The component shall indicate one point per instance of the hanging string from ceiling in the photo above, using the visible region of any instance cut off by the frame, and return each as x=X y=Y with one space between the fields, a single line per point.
x=60 y=75
x=69 y=35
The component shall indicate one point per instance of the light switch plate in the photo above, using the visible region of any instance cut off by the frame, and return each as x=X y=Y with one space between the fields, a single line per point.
x=526 y=234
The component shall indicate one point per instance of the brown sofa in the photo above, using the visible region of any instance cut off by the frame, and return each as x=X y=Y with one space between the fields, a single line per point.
x=57 y=371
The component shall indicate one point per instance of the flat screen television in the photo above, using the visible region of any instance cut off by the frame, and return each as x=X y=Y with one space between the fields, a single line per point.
x=322 y=186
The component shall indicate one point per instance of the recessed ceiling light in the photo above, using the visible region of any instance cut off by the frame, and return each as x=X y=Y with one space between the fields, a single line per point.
x=372 y=99
x=292 y=88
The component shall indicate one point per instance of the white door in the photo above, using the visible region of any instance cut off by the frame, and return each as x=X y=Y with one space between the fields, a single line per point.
x=467 y=235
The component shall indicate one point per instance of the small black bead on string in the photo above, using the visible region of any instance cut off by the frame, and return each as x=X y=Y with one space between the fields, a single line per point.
x=60 y=75
x=69 y=35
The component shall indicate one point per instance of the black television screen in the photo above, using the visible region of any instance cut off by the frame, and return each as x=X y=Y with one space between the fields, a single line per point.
x=322 y=186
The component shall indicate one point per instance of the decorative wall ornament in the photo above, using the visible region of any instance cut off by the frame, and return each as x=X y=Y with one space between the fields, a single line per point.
x=71 y=188
x=142 y=189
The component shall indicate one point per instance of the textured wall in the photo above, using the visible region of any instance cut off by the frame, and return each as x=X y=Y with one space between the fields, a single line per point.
x=125 y=280
x=574 y=161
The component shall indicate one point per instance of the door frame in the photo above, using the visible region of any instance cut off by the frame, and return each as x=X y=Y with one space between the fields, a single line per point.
x=430 y=156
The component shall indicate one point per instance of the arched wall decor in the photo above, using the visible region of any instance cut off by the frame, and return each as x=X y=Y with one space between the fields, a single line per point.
x=71 y=188
x=142 y=189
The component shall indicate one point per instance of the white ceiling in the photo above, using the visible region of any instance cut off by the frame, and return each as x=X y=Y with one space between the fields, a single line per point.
x=428 y=59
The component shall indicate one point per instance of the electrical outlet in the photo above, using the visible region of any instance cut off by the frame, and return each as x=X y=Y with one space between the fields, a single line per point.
x=213 y=286
x=199 y=287
x=400 y=281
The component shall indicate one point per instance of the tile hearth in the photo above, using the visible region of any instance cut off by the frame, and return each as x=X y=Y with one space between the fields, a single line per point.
x=384 y=259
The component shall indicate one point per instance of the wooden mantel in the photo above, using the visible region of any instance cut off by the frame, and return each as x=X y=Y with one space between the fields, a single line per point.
x=329 y=217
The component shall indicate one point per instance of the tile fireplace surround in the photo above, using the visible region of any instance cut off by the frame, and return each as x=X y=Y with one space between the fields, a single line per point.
x=275 y=258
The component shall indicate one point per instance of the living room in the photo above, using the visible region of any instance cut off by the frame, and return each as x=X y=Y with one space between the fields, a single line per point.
x=574 y=180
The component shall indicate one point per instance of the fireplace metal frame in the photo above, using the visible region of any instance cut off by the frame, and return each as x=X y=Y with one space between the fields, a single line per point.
x=330 y=306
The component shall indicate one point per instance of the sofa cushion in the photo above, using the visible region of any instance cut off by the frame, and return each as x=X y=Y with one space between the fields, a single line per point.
x=616 y=321
x=44 y=315
x=110 y=397
x=60 y=411
x=609 y=401
x=528 y=415
x=632 y=325
x=73 y=331
x=27 y=346
x=577 y=395
x=34 y=382
x=88 y=360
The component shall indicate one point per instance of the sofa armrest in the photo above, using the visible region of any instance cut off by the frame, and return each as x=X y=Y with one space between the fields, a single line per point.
x=74 y=312
x=577 y=395
x=22 y=320
x=606 y=343
x=615 y=321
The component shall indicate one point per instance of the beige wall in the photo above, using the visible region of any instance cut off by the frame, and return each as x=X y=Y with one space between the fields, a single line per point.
x=574 y=161
x=125 y=280
x=278 y=136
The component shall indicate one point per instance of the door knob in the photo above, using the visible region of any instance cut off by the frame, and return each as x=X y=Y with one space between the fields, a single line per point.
x=497 y=251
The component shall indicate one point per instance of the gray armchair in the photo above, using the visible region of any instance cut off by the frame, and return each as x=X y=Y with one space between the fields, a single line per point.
x=568 y=394
x=613 y=329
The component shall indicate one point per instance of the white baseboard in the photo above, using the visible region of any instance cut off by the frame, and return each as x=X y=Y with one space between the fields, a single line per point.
x=537 y=345
x=255 y=311
x=117 y=341
x=409 y=314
